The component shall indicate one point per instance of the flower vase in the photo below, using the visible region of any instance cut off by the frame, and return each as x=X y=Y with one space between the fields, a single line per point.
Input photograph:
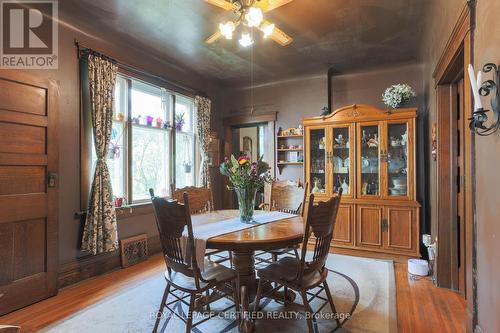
x=246 y=203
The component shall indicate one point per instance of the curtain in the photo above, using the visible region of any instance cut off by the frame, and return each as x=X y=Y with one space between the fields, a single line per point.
x=203 y=107
x=100 y=231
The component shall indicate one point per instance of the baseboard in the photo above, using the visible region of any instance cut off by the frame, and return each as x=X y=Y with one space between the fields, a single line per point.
x=90 y=266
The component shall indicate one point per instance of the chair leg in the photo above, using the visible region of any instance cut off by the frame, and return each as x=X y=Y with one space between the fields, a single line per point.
x=159 y=314
x=189 y=323
x=230 y=259
x=296 y=252
x=236 y=298
x=208 y=297
x=285 y=294
x=257 y=296
x=274 y=257
x=308 y=312
x=330 y=300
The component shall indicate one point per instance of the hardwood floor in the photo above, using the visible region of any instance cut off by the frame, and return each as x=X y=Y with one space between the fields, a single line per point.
x=422 y=307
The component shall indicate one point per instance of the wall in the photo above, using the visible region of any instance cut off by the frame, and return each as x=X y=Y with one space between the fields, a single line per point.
x=305 y=97
x=69 y=114
x=486 y=48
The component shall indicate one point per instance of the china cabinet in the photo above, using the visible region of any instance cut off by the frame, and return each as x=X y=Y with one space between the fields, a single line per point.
x=370 y=154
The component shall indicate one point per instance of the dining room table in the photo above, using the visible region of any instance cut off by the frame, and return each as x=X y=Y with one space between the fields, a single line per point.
x=285 y=231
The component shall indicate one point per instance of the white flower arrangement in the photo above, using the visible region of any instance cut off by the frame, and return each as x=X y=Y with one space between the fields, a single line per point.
x=397 y=94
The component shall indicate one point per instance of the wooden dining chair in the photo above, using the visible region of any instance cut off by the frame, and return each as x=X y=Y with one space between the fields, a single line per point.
x=200 y=198
x=9 y=329
x=288 y=197
x=302 y=275
x=201 y=201
x=182 y=275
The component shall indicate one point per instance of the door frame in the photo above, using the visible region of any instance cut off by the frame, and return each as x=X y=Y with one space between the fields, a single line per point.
x=241 y=121
x=454 y=60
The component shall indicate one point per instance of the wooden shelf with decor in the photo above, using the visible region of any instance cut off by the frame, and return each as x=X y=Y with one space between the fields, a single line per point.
x=370 y=154
x=290 y=148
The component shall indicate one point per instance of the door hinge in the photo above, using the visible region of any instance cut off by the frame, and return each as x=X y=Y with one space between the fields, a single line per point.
x=385 y=225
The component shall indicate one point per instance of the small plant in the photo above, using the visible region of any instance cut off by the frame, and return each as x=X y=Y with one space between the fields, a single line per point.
x=179 y=121
x=397 y=94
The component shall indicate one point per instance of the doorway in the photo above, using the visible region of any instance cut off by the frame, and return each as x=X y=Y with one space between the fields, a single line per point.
x=254 y=136
x=249 y=140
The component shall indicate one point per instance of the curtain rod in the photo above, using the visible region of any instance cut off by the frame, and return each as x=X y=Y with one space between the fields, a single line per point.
x=83 y=49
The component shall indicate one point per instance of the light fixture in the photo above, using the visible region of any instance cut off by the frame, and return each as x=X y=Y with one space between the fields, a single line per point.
x=267 y=29
x=486 y=88
x=246 y=40
x=227 y=29
x=254 y=17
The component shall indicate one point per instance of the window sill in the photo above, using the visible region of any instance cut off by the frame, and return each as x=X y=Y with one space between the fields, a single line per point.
x=123 y=213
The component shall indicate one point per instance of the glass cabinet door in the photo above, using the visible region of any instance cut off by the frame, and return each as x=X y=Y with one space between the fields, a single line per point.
x=397 y=159
x=341 y=159
x=317 y=160
x=368 y=159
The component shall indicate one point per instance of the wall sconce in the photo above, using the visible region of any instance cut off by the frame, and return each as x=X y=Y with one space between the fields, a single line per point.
x=479 y=88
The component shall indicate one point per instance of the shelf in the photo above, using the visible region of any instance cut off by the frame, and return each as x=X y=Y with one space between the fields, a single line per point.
x=290 y=163
x=289 y=136
x=291 y=149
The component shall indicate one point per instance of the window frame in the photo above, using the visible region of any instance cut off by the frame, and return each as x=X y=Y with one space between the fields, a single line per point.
x=86 y=143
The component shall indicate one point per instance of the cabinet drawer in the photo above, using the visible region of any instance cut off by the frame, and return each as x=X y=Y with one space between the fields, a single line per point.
x=369 y=226
x=401 y=228
x=343 y=233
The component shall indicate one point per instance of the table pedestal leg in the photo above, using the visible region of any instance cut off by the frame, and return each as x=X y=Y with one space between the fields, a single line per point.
x=244 y=264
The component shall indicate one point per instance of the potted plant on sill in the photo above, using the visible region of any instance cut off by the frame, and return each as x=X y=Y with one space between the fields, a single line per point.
x=179 y=121
x=246 y=178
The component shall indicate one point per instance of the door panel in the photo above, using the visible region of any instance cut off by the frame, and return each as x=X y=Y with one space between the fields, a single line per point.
x=399 y=228
x=369 y=226
x=343 y=226
x=317 y=163
x=368 y=159
x=28 y=218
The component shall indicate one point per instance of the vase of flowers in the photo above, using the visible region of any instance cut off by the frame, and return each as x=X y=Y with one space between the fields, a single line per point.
x=398 y=95
x=245 y=178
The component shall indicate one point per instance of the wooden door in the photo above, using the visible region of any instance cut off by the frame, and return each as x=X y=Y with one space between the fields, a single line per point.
x=317 y=160
x=397 y=160
x=344 y=230
x=460 y=175
x=342 y=159
x=368 y=159
x=369 y=226
x=398 y=225
x=28 y=196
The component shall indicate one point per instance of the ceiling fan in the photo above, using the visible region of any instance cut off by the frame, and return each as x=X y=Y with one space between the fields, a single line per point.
x=250 y=14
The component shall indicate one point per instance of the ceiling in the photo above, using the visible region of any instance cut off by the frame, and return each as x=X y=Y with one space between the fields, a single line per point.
x=349 y=35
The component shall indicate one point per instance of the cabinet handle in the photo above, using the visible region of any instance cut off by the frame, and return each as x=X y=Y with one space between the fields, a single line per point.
x=385 y=225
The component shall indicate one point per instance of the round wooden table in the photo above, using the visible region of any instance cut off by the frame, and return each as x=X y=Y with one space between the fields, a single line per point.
x=243 y=244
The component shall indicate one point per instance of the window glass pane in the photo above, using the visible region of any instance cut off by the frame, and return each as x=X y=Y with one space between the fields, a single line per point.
x=116 y=159
x=184 y=160
x=150 y=158
x=120 y=103
x=369 y=160
x=183 y=114
x=397 y=159
x=147 y=106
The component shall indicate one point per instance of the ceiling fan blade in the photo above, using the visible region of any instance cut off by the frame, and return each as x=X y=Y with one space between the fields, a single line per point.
x=214 y=37
x=268 y=5
x=223 y=4
x=280 y=37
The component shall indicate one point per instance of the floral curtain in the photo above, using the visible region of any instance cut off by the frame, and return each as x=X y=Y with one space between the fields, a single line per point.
x=203 y=107
x=100 y=232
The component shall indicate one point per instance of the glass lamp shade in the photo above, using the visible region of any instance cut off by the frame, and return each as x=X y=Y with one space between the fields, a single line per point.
x=254 y=17
x=246 y=40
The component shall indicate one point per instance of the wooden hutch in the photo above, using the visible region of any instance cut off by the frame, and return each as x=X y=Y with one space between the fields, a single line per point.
x=370 y=154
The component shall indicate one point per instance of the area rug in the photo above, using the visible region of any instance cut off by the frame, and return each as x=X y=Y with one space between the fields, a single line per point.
x=363 y=290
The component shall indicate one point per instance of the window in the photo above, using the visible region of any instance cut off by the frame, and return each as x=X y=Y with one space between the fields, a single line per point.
x=153 y=141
